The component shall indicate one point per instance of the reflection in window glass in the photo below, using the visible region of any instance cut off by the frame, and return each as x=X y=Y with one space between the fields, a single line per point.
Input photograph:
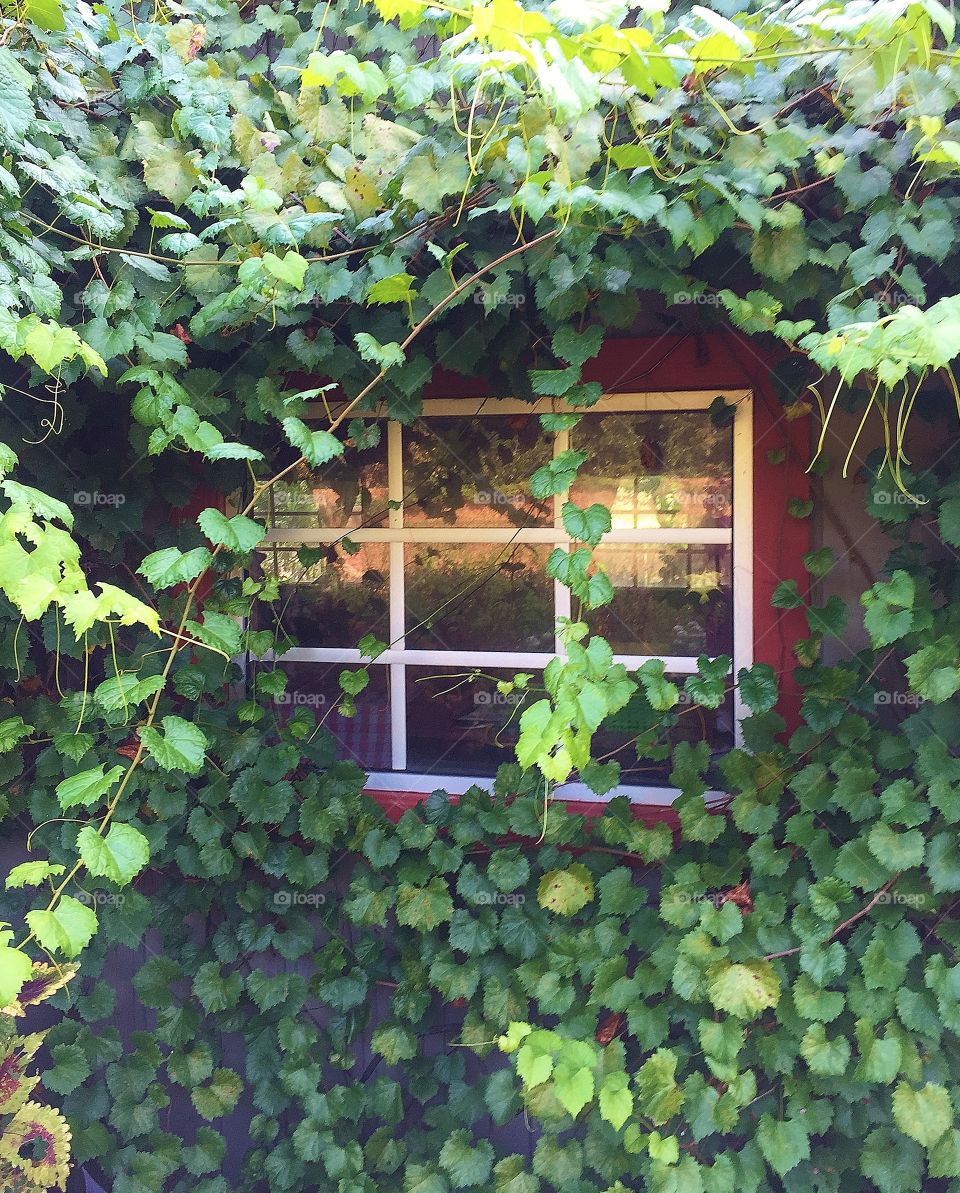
x=653 y=470
x=364 y=738
x=674 y=600
x=346 y=493
x=478 y=596
x=474 y=472
x=335 y=600
x=457 y=726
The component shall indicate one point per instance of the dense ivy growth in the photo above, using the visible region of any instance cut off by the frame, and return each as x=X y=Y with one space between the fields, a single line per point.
x=216 y=220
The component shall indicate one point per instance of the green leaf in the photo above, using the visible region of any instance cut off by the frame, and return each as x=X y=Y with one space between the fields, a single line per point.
x=558 y=475
x=615 y=1100
x=44 y=507
x=424 y=907
x=66 y=929
x=566 y=891
x=217 y=630
x=758 y=686
x=385 y=355
x=15 y=968
x=786 y=596
x=45 y=14
x=933 y=671
x=317 y=447
x=896 y=851
x=180 y=747
x=826 y=1058
x=924 y=1114
x=574 y=1087
x=784 y=1144
x=12 y=730
x=586 y=525
x=73 y=745
x=743 y=989
x=70 y=1069
x=819 y=563
x=396 y=288
x=237 y=534
x=172 y=566
x=87 y=787
x=465 y=1165
x=394 y=1043
x=32 y=874
x=950 y=521
x=661 y=693
x=290 y=268
x=659 y=1097
x=577 y=347
x=119 y=856
x=219 y=1096
x=889 y=609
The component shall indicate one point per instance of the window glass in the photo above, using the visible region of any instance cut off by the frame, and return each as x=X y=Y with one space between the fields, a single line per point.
x=459 y=725
x=673 y=600
x=656 y=470
x=335 y=600
x=478 y=596
x=474 y=472
x=347 y=492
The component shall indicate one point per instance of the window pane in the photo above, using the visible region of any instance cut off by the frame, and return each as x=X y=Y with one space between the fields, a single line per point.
x=349 y=492
x=460 y=471
x=336 y=600
x=663 y=469
x=674 y=600
x=365 y=738
x=478 y=596
x=462 y=728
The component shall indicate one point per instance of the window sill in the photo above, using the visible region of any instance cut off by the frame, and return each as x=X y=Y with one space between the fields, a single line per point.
x=396 y=793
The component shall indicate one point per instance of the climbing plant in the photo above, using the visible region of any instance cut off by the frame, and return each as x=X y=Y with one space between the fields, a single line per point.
x=229 y=234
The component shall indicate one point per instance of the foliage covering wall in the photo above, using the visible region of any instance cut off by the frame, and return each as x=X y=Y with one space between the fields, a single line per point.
x=204 y=209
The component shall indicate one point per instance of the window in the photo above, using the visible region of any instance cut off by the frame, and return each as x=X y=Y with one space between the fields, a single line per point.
x=434 y=544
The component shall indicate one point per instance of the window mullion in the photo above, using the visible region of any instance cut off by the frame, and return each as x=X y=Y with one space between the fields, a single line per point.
x=562 y=602
x=398 y=671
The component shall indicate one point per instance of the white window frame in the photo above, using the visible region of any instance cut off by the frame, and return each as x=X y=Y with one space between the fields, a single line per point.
x=397 y=656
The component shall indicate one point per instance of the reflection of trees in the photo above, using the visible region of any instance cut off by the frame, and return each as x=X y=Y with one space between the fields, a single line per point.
x=478 y=602
x=329 y=496
x=336 y=601
x=674 y=621
x=453 y=462
x=682 y=444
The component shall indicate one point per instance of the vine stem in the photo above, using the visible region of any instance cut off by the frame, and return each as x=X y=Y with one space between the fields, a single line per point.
x=857 y=915
x=193 y=588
